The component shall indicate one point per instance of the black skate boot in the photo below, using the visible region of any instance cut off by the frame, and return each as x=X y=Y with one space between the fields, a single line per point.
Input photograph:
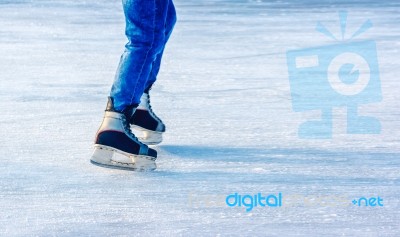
x=116 y=146
x=145 y=124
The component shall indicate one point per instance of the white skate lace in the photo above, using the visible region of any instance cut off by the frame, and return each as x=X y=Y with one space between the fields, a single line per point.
x=128 y=130
x=150 y=109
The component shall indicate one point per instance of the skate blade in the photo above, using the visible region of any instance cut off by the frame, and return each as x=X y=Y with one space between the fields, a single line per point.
x=112 y=158
x=147 y=137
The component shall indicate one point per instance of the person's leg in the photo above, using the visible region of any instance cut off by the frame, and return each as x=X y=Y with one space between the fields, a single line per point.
x=115 y=145
x=169 y=26
x=145 y=30
x=145 y=123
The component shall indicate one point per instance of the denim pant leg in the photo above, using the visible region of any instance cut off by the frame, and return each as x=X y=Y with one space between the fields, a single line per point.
x=169 y=26
x=145 y=30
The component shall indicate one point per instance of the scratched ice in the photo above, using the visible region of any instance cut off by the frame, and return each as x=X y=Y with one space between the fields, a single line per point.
x=224 y=93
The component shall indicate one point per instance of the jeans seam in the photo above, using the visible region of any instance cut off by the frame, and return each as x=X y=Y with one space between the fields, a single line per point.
x=147 y=53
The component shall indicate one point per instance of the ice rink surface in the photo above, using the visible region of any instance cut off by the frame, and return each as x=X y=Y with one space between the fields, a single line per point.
x=223 y=92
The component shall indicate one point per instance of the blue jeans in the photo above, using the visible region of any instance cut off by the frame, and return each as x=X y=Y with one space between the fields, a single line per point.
x=149 y=24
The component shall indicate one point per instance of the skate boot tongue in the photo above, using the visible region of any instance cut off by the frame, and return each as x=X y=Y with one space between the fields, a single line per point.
x=110 y=105
x=129 y=111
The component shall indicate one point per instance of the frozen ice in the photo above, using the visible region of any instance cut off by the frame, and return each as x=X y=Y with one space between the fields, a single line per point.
x=223 y=92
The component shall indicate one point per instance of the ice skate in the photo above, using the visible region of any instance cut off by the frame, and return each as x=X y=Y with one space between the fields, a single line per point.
x=145 y=124
x=116 y=146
